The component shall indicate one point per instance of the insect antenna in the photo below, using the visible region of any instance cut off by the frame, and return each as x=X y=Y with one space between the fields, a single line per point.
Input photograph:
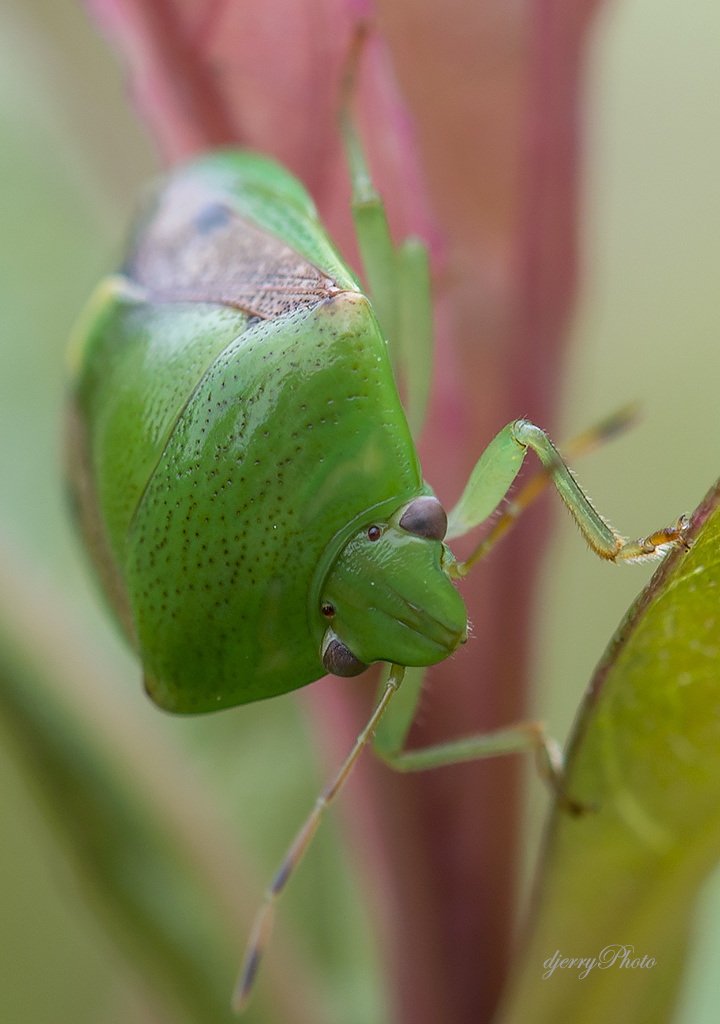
x=262 y=926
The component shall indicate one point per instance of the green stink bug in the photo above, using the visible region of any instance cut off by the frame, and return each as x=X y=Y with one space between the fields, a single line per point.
x=212 y=505
x=244 y=471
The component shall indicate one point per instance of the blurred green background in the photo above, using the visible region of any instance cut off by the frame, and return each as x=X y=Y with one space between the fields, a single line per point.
x=72 y=158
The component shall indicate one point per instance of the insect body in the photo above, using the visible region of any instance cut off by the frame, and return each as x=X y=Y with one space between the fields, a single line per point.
x=247 y=474
x=244 y=472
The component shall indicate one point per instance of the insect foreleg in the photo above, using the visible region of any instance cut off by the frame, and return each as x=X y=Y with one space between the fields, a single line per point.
x=494 y=474
x=582 y=444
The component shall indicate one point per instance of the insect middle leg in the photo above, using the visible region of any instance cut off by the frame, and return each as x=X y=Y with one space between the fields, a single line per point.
x=518 y=738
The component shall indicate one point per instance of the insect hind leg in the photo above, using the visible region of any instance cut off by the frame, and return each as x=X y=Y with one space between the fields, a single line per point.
x=398 y=277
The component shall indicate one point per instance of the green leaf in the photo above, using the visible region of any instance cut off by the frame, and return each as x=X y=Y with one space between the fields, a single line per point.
x=645 y=758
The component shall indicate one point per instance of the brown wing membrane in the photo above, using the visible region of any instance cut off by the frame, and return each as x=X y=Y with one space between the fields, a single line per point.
x=196 y=249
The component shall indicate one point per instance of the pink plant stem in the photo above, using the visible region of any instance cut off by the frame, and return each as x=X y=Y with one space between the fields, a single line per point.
x=450 y=837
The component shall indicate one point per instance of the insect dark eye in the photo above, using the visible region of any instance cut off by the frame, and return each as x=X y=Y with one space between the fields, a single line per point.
x=327 y=609
x=425 y=517
x=339 y=659
x=374 y=533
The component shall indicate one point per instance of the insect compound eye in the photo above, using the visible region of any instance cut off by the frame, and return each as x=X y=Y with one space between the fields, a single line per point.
x=425 y=517
x=374 y=533
x=338 y=659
